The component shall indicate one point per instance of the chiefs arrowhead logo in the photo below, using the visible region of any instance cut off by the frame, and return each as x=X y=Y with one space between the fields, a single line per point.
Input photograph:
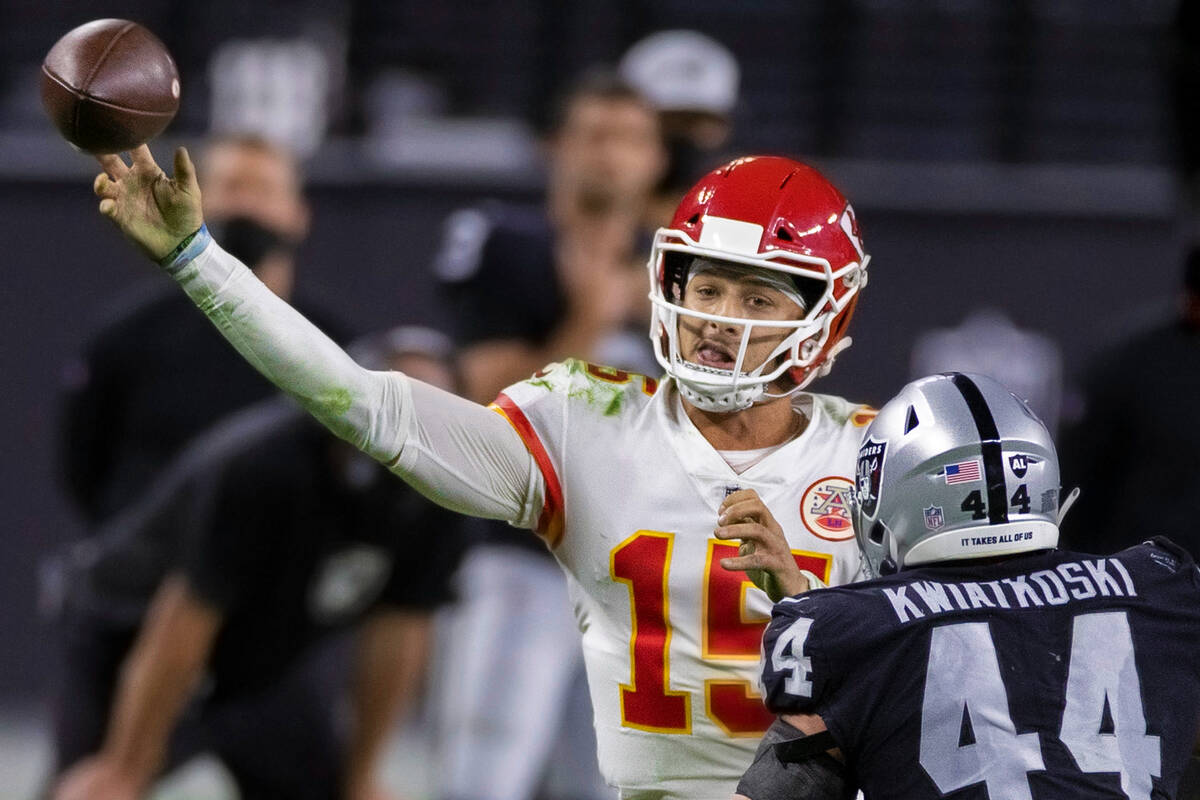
x=849 y=225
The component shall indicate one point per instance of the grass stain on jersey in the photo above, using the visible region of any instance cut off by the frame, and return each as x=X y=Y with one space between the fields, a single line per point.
x=608 y=397
x=615 y=404
x=338 y=401
x=837 y=412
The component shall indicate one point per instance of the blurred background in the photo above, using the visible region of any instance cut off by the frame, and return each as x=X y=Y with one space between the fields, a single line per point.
x=1024 y=173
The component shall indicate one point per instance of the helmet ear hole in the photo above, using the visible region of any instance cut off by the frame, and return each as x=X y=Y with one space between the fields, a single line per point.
x=782 y=233
x=876 y=532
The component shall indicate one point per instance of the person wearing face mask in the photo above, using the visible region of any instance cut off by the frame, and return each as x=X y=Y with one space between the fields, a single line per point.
x=268 y=601
x=155 y=374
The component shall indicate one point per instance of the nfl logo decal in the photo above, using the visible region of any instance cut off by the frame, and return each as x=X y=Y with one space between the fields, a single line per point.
x=870 y=470
x=934 y=518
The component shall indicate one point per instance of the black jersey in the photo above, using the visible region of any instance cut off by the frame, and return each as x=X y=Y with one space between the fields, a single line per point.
x=155 y=376
x=286 y=531
x=1054 y=675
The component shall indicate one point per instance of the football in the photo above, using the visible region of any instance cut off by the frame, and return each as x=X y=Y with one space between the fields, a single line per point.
x=110 y=85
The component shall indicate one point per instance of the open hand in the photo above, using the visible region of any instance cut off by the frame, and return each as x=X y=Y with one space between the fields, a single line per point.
x=154 y=211
x=764 y=554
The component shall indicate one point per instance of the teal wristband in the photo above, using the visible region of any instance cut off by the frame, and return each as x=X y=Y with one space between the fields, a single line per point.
x=192 y=245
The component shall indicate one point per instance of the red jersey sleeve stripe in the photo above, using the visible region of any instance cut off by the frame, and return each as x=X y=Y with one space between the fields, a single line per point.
x=550 y=523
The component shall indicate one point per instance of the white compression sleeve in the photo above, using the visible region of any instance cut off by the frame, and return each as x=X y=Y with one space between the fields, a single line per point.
x=469 y=459
x=463 y=456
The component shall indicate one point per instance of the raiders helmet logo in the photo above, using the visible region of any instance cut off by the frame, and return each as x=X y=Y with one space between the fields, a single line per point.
x=868 y=475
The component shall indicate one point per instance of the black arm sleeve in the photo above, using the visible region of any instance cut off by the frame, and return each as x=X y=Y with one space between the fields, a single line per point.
x=814 y=777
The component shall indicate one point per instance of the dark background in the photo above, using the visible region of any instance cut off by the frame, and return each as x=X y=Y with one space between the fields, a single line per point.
x=1014 y=155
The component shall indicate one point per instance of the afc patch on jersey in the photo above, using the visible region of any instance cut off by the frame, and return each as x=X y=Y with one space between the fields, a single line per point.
x=825 y=509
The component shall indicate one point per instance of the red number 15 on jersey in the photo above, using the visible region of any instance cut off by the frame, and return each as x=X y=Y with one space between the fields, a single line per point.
x=642 y=562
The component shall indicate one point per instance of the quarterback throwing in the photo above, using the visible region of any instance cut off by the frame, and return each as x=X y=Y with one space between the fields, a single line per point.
x=753 y=285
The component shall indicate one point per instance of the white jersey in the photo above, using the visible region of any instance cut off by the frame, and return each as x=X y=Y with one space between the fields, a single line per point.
x=609 y=469
x=671 y=639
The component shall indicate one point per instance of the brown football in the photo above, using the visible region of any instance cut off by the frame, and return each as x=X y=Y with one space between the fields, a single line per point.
x=109 y=85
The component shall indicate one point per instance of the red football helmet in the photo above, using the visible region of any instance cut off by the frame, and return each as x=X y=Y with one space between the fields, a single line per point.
x=769 y=213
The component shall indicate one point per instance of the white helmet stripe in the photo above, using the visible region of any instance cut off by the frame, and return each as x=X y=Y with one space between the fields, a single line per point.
x=731 y=235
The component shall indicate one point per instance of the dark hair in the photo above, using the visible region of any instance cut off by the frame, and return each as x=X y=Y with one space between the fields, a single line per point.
x=597 y=83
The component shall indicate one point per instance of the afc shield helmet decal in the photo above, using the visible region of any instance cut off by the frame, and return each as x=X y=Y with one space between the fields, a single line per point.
x=869 y=474
x=1019 y=464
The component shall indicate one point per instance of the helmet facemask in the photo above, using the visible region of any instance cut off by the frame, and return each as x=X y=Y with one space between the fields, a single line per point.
x=803 y=354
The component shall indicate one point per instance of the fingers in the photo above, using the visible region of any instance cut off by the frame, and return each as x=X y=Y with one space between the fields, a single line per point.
x=185 y=171
x=104 y=186
x=744 y=504
x=746 y=531
x=746 y=509
x=106 y=190
x=113 y=165
x=743 y=563
x=740 y=496
x=142 y=159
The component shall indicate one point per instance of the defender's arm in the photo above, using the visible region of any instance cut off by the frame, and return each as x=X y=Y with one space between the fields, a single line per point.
x=794 y=761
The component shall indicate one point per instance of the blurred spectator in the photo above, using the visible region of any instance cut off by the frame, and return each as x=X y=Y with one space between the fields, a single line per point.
x=266 y=538
x=691 y=79
x=156 y=373
x=988 y=342
x=1133 y=453
x=280 y=88
x=693 y=82
x=530 y=286
x=527 y=285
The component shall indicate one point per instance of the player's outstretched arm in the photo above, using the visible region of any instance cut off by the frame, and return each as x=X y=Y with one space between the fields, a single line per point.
x=463 y=456
x=163 y=217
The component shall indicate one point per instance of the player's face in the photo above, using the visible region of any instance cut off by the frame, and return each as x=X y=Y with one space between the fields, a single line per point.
x=730 y=292
x=243 y=181
x=609 y=151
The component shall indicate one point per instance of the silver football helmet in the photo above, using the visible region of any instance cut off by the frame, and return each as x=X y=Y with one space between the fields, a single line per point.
x=954 y=467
